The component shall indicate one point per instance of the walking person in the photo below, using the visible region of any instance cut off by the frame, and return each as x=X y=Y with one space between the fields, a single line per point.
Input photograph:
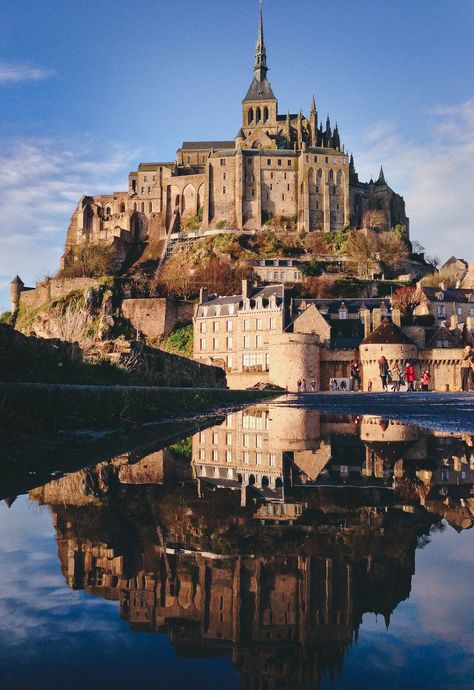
x=303 y=385
x=298 y=385
x=396 y=378
x=467 y=374
x=410 y=376
x=313 y=385
x=383 y=370
x=425 y=380
x=355 y=376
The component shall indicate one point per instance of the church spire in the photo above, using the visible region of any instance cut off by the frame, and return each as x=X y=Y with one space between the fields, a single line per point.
x=261 y=67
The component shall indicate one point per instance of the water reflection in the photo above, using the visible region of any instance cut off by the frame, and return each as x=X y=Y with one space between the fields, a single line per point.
x=267 y=537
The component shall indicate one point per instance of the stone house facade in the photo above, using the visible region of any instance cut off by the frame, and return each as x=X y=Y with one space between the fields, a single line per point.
x=257 y=337
x=233 y=331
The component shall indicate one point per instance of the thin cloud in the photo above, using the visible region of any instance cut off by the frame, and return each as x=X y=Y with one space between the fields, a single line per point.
x=42 y=181
x=11 y=73
x=435 y=176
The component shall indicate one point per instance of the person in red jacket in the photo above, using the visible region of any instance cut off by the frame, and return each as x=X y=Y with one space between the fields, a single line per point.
x=410 y=376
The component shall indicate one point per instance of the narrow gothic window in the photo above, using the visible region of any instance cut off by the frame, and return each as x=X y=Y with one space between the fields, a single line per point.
x=250 y=116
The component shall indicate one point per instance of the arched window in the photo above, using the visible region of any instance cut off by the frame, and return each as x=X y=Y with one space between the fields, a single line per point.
x=150 y=207
x=258 y=115
x=143 y=207
x=108 y=211
x=331 y=176
x=311 y=179
x=250 y=116
x=135 y=206
x=339 y=177
x=265 y=114
x=122 y=208
x=88 y=215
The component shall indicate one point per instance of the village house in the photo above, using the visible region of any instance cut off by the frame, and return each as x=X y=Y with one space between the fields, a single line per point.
x=259 y=337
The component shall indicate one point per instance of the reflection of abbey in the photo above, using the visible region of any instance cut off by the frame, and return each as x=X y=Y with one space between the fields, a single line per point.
x=297 y=524
x=279 y=164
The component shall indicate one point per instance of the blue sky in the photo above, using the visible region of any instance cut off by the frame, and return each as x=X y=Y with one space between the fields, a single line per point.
x=90 y=89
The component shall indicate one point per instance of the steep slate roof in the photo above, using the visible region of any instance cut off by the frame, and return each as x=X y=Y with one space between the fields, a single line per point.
x=352 y=304
x=443 y=334
x=449 y=295
x=260 y=91
x=223 y=303
x=206 y=145
x=387 y=333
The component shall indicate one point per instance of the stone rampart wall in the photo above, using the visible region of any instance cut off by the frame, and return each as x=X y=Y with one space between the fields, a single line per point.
x=336 y=364
x=54 y=289
x=242 y=381
x=157 y=317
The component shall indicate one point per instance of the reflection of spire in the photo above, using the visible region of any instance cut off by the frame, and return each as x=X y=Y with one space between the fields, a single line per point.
x=261 y=67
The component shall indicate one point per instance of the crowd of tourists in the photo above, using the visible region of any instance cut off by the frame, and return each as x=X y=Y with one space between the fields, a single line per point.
x=393 y=377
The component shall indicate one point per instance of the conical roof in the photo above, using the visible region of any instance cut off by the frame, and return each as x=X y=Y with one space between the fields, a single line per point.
x=387 y=333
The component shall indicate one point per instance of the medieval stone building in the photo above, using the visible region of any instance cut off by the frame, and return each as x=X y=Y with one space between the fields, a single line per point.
x=279 y=164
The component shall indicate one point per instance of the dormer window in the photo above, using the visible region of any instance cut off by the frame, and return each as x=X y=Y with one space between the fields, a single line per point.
x=440 y=296
x=231 y=309
x=259 y=303
x=272 y=302
x=246 y=304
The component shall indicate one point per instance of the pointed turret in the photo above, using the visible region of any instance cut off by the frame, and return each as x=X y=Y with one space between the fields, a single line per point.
x=16 y=288
x=261 y=67
x=353 y=176
x=288 y=130
x=336 y=140
x=381 y=178
x=313 y=123
x=260 y=88
x=328 y=134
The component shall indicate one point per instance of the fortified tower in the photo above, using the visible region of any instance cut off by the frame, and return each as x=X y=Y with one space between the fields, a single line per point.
x=387 y=340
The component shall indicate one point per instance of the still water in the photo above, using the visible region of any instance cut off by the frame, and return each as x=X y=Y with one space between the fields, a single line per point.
x=280 y=548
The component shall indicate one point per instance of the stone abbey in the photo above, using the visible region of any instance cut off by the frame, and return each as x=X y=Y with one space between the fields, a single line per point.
x=284 y=165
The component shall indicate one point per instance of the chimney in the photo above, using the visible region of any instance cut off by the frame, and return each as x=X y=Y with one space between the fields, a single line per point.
x=203 y=295
x=454 y=322
x=376 y=318
x=468 y=281
x=365 y=316
x=245 y=289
